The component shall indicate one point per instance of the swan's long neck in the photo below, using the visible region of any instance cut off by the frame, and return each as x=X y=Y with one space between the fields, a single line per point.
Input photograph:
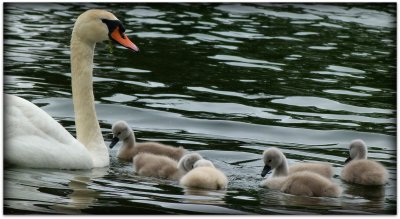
x=87 y=126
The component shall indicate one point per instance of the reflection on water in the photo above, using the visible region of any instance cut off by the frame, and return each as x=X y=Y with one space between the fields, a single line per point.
x=278 y=200
x=201 y=196
x=225 y=80
x=374 y=193
x=81 y=197
x=46 y=190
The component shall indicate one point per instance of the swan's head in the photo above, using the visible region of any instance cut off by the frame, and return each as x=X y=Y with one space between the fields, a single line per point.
x=358 y=150
x=187 y=162
x=273 y=158
x=203 y=163
x=96 y=25
x=121 y=131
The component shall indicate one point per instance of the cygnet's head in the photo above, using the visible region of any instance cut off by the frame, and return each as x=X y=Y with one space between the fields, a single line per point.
x=358 y=150
x=203 y=163
x=121 y=131
x=187 y=162
x=273 y=158
x=96 y=25
x=332 y=191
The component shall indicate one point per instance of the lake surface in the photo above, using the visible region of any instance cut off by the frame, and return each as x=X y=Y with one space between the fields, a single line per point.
x=224 y=80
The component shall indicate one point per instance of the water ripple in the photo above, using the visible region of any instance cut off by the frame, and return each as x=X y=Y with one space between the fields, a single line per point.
x=244 y=62
x=211 y=38
x=326 y=104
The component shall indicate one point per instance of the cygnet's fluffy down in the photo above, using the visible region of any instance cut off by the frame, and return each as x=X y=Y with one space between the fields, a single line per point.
x=275 y=159
x=204 y=176
x=187 y=162
x=160 y=166
x=304 y=183
x=359 y=170
x=323 y=169
x=130 y=148
x=161 y=149
x=274 y=182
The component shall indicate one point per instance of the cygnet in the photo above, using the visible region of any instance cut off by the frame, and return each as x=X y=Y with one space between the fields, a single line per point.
x=130 y=148
x=322 y=168
x=204 y=176
x=303 y=183
x=359 y=170
x=160 y=166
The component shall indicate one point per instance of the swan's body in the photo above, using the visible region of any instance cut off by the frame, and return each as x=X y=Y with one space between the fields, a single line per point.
x=130 y=148
x=205 y=176
x=359 y=170
x=159 y=166
x=34 y=139
x=302 y=182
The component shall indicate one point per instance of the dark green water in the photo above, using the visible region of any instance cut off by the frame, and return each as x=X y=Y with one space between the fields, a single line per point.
x=225 y=80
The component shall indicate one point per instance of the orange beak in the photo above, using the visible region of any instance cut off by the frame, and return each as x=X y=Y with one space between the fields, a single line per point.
x=123 y=40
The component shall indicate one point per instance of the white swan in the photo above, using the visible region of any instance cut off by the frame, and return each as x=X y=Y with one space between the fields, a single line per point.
x=359 y=170
x=302 y=182
x=274 y=157
x=34 y=139
x=204 y=175
x=130 y=148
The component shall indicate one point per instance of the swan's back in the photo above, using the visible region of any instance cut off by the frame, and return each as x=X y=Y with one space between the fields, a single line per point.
x=365 y=172
x=160 y=166
x=205 y=177
x=35 y=140
x=159 y=149
x=324 y=169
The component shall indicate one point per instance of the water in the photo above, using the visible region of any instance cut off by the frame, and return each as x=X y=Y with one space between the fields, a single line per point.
x=225 y=80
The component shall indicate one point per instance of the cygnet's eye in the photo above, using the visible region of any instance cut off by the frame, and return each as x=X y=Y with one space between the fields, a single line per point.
x=269 y=161
x=118 y=133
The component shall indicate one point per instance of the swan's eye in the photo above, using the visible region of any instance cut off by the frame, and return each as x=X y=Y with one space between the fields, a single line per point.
x=112 y=24
x=269 y=161
x=118 y=133
x=122 y=30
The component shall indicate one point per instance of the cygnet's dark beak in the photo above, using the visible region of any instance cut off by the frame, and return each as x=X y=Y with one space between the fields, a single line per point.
x=114 y=141
x=266 y=170
x=347 y=160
